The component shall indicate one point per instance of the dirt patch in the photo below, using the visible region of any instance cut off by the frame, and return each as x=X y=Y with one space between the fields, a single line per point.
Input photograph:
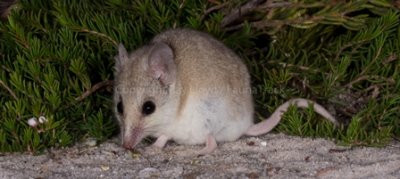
x=272 y=155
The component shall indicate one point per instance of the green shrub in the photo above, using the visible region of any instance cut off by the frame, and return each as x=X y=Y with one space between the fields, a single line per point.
x=55 y=53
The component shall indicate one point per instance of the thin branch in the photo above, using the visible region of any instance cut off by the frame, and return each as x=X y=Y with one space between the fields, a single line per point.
x=375 y=91
x=212 y=9
x=278 y=23
x=346 y=112
x=263 y=5
x=8 y=89
x=366 y=77
x=94 y=89
x=5 y=8
x=392 y=57
x=241 y=11
x=274 y=23
x=100 y=34
x=290 y=5
x=303 y=68
x=21 y=41
x=5 y=68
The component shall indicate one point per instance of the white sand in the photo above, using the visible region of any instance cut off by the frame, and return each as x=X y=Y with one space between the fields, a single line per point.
x=283 y=157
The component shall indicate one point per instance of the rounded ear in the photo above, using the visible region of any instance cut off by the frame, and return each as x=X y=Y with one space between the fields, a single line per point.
x=161 y=63
x=121 y=58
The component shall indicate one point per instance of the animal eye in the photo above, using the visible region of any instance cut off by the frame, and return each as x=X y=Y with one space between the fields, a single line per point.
x=148 y=108
x=120 y=108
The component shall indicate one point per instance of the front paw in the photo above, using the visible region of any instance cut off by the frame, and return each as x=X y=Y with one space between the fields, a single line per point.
x=153 y=149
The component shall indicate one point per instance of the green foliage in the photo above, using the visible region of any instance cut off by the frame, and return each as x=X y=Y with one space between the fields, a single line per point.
x=306 y=124
x=308 y=14
x=52 y=52
x=355 y=71
x=99 y=127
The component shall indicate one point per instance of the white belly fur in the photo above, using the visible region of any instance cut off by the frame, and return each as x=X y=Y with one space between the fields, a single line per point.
x=210 y=116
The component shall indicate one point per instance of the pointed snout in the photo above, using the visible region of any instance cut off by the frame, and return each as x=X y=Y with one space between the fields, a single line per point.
x=132 y=138
x=130 y=142
x=127 y=145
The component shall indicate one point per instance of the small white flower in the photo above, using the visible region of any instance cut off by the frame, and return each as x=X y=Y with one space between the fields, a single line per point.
x=105 y=167
x=264 y=144
x=42 y=119
x=32 y=122
x=91 y=142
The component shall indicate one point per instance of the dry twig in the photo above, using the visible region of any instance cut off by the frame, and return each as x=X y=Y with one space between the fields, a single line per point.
x=366 y=77
x=100 y=35
x=94 y=89
x=212 y=9
x=8 y=89
x=241 y=11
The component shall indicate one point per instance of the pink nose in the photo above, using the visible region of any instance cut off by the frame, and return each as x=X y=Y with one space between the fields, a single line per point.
x=127 y=145
x=131 y=139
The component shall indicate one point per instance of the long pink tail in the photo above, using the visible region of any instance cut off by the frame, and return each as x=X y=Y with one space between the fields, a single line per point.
x=268 y=124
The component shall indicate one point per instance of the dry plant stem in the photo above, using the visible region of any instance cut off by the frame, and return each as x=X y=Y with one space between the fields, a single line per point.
x=274 y=23
x=181 y=5
x=5 y=8
x=302 y=85
x=100 y=34
x=243 y=10
x=212 y=9
x=303 y=68
x=5 y=68
x=346 y=112
x=289 y=5
x=22 y=42
x=366 y=77
x=277 y=23
x=391 y=58
x=234 y=28
x=8 y=89
x=262 y=6
x=5 y=14
x=94 y=89
x=375 y=92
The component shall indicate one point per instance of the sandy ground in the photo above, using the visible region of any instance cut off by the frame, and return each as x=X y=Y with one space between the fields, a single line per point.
x=282 y=157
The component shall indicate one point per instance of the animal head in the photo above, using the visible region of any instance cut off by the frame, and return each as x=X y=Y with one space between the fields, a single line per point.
x=143 y=81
